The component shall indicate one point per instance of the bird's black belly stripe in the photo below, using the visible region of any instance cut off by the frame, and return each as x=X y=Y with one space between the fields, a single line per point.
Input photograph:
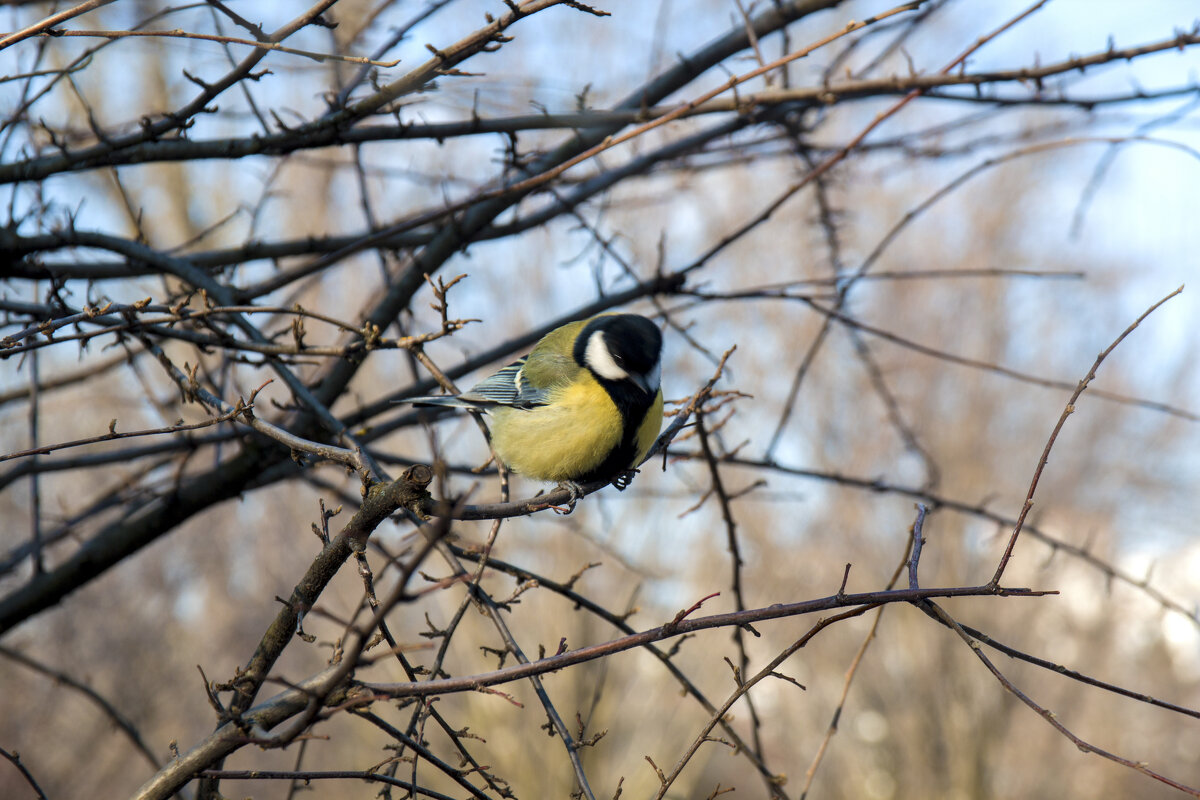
x=632 y=403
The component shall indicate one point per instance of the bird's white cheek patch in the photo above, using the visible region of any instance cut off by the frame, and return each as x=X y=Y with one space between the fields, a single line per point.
x=600 y=359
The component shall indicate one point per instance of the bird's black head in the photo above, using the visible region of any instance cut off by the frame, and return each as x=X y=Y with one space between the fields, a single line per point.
x=622 y=348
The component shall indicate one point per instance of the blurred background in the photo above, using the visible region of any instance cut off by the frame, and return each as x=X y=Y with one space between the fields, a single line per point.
x=911 y=311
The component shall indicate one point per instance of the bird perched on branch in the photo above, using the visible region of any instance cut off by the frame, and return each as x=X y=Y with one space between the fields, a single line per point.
x=584 y=405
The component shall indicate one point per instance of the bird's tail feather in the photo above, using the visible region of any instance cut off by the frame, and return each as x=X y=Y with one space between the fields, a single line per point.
x=445 y=400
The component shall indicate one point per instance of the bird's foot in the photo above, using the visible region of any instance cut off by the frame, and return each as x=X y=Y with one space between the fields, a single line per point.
x=574 y=491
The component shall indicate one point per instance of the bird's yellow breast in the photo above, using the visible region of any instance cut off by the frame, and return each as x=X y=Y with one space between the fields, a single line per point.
x=570 y=436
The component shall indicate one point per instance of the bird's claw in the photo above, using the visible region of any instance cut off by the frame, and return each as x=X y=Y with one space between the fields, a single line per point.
x=574 y=492
x=623 y=480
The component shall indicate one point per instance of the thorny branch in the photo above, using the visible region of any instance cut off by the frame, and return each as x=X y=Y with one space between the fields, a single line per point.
x=1067 y=411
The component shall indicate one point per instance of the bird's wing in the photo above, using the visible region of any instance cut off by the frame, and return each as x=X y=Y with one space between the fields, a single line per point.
x=515 y=386
x=507 y=387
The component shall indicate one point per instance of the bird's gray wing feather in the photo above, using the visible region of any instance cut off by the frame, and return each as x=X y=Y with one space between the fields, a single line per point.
x=504 y=388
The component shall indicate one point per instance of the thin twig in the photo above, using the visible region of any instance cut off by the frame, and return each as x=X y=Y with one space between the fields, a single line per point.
x=15 y=759
x=1062 y=419
x=1046 y=714
x=51 y=21
x=182 y=34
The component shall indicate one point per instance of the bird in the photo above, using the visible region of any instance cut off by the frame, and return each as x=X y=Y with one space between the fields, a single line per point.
x=584 y=405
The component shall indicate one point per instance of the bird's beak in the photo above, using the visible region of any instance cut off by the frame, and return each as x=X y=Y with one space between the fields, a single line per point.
x=648 y=382
x=641 y=381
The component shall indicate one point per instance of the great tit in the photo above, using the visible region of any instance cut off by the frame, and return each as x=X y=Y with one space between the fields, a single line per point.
x=584 y=405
